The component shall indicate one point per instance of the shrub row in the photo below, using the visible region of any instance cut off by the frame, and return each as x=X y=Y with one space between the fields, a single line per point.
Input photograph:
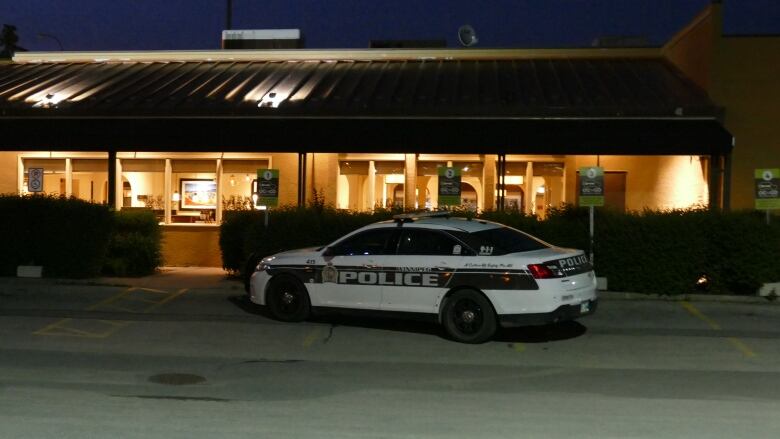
x=135 y=247
x=663 y=252
x=74 y=238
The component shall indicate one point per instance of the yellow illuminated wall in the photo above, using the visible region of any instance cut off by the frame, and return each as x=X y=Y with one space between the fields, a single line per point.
x=740 y=74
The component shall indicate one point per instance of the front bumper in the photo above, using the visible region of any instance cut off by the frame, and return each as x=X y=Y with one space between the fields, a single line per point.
x=562 y=313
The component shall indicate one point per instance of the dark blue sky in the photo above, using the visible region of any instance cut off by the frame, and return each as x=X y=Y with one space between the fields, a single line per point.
x=196 y=24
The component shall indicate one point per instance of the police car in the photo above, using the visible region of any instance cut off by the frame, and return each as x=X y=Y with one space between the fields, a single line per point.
x=470 y=275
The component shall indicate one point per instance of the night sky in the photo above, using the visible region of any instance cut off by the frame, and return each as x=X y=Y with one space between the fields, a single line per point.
x=197 y=24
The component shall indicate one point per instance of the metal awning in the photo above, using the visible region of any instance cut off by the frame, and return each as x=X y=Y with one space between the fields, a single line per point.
x=494 y=101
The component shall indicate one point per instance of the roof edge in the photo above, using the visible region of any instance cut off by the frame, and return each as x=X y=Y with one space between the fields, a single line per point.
x=334 y=54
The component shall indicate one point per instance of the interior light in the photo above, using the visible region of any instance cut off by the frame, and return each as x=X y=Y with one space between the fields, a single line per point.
x=466 y=168
x=232 y=180
x=247 y=177
x=176 y=196
x=540 y=190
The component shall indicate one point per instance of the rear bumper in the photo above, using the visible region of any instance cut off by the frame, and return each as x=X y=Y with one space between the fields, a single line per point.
x=565 y=312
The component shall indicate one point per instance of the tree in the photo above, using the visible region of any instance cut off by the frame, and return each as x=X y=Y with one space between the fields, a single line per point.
x=8 y=40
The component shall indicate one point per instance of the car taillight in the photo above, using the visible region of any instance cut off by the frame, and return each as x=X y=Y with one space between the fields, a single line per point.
x=539 y=271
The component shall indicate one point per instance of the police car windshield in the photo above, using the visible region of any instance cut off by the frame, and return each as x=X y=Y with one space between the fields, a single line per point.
x=500 y=241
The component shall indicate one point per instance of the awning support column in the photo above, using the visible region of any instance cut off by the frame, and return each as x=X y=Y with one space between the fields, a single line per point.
x=112 y=179
x=301 y=179
x=727 y=181
x=715 y=181
x=501 y=185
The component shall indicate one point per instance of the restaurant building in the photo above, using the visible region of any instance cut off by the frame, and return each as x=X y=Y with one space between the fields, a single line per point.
x=184 y=133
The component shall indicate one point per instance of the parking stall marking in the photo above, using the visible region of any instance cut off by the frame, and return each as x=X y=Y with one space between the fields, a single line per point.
x=312 y=337
x=737 y=343
x=123 y=301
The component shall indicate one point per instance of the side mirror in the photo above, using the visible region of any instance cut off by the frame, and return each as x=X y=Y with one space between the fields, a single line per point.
x=328 y=252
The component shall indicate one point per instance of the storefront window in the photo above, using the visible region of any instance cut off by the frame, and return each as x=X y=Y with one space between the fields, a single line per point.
x=194 y=185
x=427 y=190
x=514 y=181
x=389 y=184
x=90 y=180
x=143 y=185
x=54 y=178
x=239 y=182
x=547 y=187
x=357 y=190
x=472 y=185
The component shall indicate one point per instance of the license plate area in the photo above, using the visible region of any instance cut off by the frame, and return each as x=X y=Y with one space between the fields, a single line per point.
x=584 y=307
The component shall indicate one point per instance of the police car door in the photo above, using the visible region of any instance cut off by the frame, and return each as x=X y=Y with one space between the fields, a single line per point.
x=424 y=262
x=350 y=278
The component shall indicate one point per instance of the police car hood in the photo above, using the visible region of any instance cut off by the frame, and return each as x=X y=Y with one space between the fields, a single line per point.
x=298 y=252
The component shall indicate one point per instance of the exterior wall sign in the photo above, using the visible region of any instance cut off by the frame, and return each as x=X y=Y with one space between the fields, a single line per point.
x=35 y=180
x=449 y=186
x=267 y=187
x=767 y=189
x=592 y=186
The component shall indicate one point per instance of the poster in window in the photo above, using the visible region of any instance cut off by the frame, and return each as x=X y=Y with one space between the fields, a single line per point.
x=198 y=194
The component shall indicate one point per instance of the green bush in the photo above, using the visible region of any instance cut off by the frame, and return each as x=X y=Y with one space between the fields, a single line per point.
x=661 y=252
x=67 y=236
x=135 y=248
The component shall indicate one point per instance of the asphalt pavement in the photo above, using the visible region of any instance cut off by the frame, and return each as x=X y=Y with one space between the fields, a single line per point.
x=184 y=354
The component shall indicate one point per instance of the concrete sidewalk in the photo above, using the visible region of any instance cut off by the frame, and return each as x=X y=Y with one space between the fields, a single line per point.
x=166 y=278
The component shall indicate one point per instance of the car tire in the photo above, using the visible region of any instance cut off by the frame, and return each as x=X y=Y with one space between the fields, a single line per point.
x=287 y=299
x=468 y=317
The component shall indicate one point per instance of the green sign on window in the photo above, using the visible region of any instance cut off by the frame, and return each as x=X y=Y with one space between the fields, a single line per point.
x=449 y=186
x=767 y=189
x=267 y=187
x=592 y=186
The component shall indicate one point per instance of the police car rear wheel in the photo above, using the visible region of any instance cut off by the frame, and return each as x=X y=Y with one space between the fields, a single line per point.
x=288 y=299
x=468 y=317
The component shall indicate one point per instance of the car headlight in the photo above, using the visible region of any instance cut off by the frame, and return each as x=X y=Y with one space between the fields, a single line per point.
x=264 y=263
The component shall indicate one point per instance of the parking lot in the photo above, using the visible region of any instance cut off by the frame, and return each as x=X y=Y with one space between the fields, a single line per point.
x=192 y=358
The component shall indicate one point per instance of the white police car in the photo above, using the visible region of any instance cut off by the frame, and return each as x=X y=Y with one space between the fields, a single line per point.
x=469 y=275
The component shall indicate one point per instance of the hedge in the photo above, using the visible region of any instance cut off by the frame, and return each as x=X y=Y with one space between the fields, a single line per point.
x=73 y=238
x=661 y=252
x=67 y=236
x=135 y=248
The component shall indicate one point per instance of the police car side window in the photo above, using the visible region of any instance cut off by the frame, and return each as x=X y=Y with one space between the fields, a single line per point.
x=370 y=242
x=428 y=242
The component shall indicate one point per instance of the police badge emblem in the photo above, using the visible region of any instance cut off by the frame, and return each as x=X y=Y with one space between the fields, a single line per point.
x=329 y=274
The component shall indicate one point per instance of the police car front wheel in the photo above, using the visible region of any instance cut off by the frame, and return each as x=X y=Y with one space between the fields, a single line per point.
x=468 y=317
x=288 y=299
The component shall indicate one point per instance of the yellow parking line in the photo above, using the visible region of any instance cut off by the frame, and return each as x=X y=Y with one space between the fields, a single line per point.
x=167 y=299
x=698 y=314
x=152 y=290
x=742 y=347
x=111 y=299
x=61 y=327
x=312 y=337
x=737 y=343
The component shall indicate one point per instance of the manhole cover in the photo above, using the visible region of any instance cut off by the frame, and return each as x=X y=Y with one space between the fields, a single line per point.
x=176 y=379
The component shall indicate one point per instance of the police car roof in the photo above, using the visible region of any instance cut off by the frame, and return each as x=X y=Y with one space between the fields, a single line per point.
x=443 y=223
